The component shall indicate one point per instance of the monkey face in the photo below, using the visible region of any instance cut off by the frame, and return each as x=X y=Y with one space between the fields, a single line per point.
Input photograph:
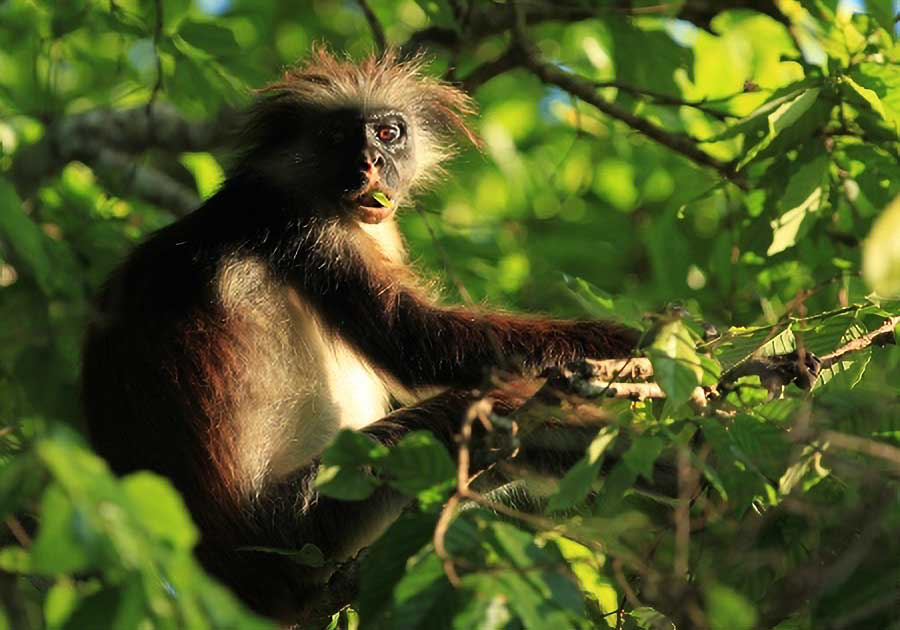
x=352 y=140
x=353 y=162
x=383 y=160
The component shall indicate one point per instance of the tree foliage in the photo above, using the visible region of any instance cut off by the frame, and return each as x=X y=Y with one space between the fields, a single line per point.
x=724 y=176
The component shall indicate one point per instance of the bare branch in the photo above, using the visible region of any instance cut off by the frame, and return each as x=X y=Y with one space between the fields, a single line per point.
x=123 y=176
x=664 y=99
x=593 y=378
x=131 y=132
x=609 y=369
x=881 y=336
x=490 y=69
x=157 y=34
x=587 y=92
x=374 y=25
x=493 y=18
x=873 y=448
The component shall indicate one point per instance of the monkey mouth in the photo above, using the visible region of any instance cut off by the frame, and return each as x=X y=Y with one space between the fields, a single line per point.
x=374 y=206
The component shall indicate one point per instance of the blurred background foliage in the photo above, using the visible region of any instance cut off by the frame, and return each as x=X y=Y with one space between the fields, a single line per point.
x=565 y=210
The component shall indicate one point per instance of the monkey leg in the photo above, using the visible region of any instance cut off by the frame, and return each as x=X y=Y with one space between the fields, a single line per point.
x=253 y=554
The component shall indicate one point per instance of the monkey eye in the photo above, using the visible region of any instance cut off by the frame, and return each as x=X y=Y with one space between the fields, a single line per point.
x=389 y=133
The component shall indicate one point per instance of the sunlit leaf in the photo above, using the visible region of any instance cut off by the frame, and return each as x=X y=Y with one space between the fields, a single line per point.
x=676 y=365
x=881 y=252
x=349 y=484
x=729 y=610
x=802 y=199
x=781 y=119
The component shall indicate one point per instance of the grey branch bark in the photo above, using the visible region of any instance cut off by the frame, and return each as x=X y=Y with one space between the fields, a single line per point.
x=109 y=140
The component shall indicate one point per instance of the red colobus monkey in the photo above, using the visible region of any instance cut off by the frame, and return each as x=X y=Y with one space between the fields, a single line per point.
x=232 y=345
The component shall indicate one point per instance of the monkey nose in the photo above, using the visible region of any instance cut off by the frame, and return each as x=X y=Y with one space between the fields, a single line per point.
x=372 y=163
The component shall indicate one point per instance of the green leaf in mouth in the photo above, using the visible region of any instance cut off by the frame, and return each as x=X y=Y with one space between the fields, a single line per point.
x=383 y=199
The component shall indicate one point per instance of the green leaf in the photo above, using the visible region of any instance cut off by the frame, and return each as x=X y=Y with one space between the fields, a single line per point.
x=352 y=448
x=883 y=79
x=15 y=560
x=862 y=94
x=60 y=602
x=160 y=509
x=217 y=40
x=739 y=343
x=739 y=483
x=541 y=598
x=782 y=343
x=577 y=482
x=107 y=609
x=648 y=618
x=586 y=564
x=643 y=454
x=419 y=591
x=207 y=172
x=385 y=563
x=20 y=479
x=761 y=444
x=25 y=237
x=66 y=541
x=383 y=199
x=881 y=252
x=419 y=462
x=347 y=484
x=601 y=304
x=439 y=13
x=802 y=199
x=846 y=374
x=648 y=56
x=676 y=366
x=727 y=609
x=753 y=126
x=784 y=116
x=68 y=16
x=485 y=611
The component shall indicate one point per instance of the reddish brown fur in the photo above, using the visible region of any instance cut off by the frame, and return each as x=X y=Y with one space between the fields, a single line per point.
x=169 y=358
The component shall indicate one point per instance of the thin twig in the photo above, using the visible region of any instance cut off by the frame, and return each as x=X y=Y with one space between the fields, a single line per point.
x=586 y=91
x=157 y=35
x=873 y=448
x=18 y=531
x=374 y=24
x=664 y=99
x=882 y=335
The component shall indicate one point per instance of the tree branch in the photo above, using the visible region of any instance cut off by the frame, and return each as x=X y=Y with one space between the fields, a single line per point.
x=124 y=177
x=374 y=25
x=881 y=336
x=586 y=91
x=107 y=138
x=664 y=99
x=592 y=378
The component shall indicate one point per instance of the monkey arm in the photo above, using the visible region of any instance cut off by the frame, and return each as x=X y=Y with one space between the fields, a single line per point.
x=463 y=342
x=376 y=306
x=421 y=343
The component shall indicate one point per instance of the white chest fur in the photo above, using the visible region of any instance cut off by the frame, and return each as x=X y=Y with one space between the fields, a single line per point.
x=299 y=384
